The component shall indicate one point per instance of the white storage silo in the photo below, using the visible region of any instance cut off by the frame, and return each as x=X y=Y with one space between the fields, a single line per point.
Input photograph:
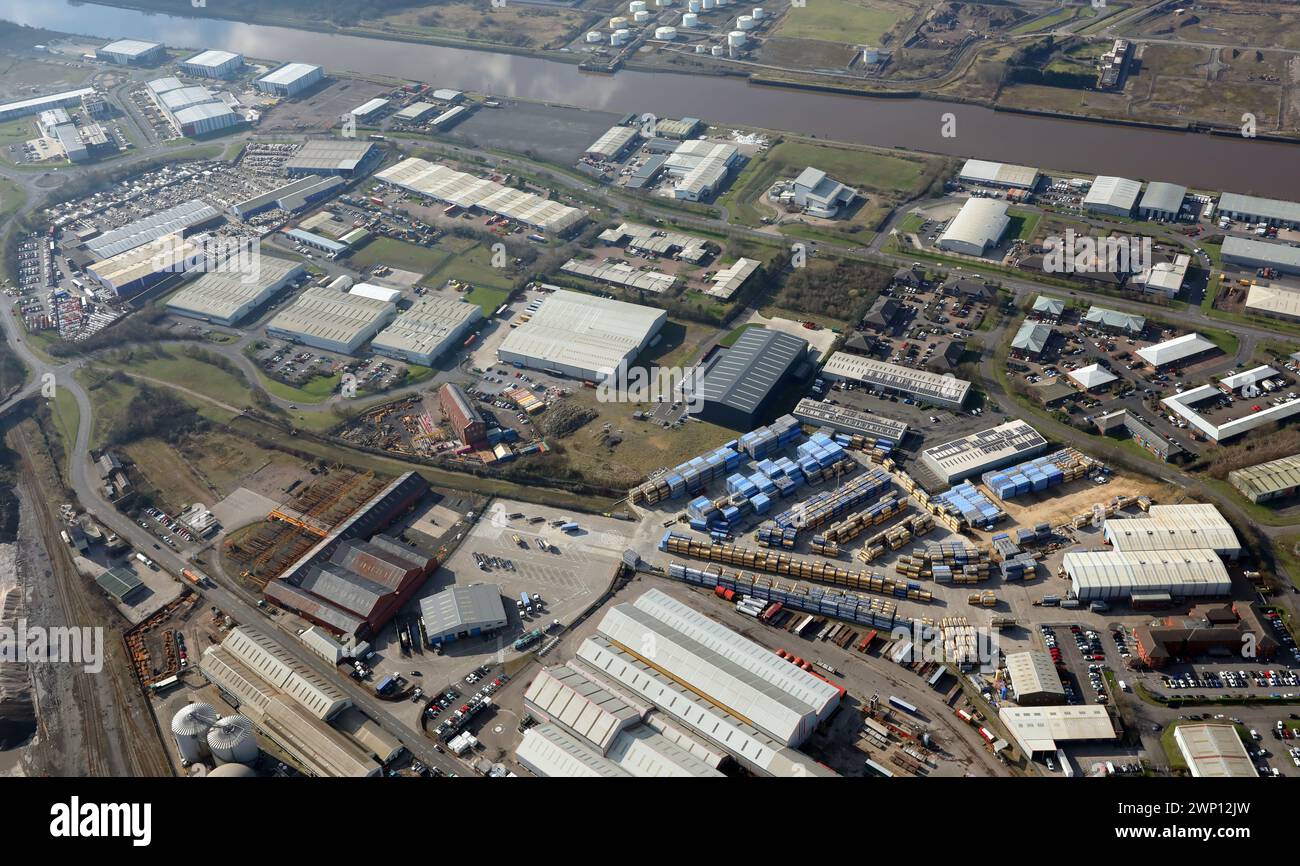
x=663 y=4
x=706 y=5
x=618 y=22
x=620 y=37
x=757 y=14
x=232 y=771
x=641 y=17
x=668 y=34
x=701 y=48
x=717 y=51
x=636 y=6
x=744 y=22
x=735 y=39
x=695 y=5
x=690 y=19
x=189 y=726
x=595 y=36
x=232 y=741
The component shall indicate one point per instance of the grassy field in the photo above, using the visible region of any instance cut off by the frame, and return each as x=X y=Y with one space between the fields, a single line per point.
x=1288 y=554
x=397 y=254
x=188 y=372
x=174 y=482
x=489 y=298
x=856 y=21
x=1023 y=224
x=1053 y=20
x=67 y=418
x=473 y=266
x=315 y=390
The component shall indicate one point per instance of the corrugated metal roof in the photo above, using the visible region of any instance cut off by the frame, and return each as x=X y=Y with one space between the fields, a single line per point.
x=981 y=222
x=1268 y=478
x=165 y=222
x=317 y=608
x=566 y=697
x=578 y=330
x=743 y=376
x=1166 y=197
x=462 y=608
x=374 y=563
x=1266 y=208
x=1171 y=351
x=1113 y=192
x=1214 y=752
x=344 y=588
x=548 y=751
x=1033 y=673
x=1174 y=527
x=1039 y=729
x=1108 y=573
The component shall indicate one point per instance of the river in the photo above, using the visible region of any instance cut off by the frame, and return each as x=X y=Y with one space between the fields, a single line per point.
x=1197 y=160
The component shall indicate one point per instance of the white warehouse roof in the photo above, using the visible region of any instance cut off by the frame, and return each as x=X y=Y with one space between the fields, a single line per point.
x=999 y=173
x=1109 y=574
x=1197 y=526
x=946 y=390
x=289 y=73
x=227 y=296
x=1172 y=351
x=583 y=333
x=981 y=223
x=322 y=314
x=1275 y=300
x=612 y=142
x=1033 y=673
x=1164 y=197
x=1113 y=192
x=213 y=58
x=565 y=696
x=427 y=328
x=1092 y=376
x=549 y=752
x=375 y=293
x=1214 y=752
x=1040 y=729
x=273 y=664
x=131 y=47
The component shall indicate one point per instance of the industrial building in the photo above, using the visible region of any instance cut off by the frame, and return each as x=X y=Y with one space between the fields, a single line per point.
x=1109 y=575
x=1184 y=406
x=290 y=79
x=369 y=110
x=921 y=385
x=740 y=385
x=620 y=274
x=612 y=143
x=1112 y=195
x=416 y=112
x=1214 y=751
x=426 y=331
x=999 y=174
x=119 y=582
x=465 y=420
x=192 y=111
x=1042 y=730
x=141 y=267
x=1093 y=377
x=227 y=297
x=1250 y=208
x=701 y=167
x=1263 y=482
x=1012 y=442
x=460 y=612
x=1164 y=278
x=1115 y=322
x=821 y=196
x=1031 y=339
x=581 y=335
x=292 y=196
x=842 y=419
x=979 y=225
x=1253 y=254
x=659 y=242
x=342 y=156
x=1034 y=679
x=1195 y=526
x=729 y=280
x=37 y=104
x=1206 y=630
x=444 y=184
x=317 y=242
x=131 y=52
x=213 y=63
x=328 y=319
x=1162 y=201
x=177 y=219
x=1268 y=300
x=1179 y=350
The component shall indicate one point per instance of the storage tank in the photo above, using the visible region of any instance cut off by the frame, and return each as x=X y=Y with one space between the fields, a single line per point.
x=232 y=741
x=618 y=37
x=695 y=5
x=706 y=5
x=663 y=4
x=757 y=14
x=744 y=22
x=735 y=39
x=636 y=6
x=641 y=17
x=690 y=19
x=595 y=36
x=717 y=51
x=618 y=22
x=870 y=56
x=701 y=48
x=667 y=34
x=232 y=771
x=189 y=726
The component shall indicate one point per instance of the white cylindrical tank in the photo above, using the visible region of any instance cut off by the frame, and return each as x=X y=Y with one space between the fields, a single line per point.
x=717 y=51
x=744 y=22
x=189 y=726
x=663 y=4
x=690 y=19
x=641 y=17
x=757 y=14
x=232 y=771
x=667 y=34
x=736 y=38
x=618 y=37
x=636 y=6
x=595 y=36
x=695 y=5
x=232 y=741
x=870 y=55
x=701 y=48
x=706 y=5
x=618 y=22
x=341 y=283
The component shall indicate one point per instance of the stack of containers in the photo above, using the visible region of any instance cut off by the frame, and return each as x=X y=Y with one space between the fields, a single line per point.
x=1022 y=566
x=831 y=505
x=971 y=505
x=771 y=535
x=847 y=606
x=782 y=432
x=689 y=478
x=821 y=545
x=1038 y=474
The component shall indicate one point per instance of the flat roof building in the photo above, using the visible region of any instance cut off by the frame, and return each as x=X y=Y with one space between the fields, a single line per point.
x=213 y=63
x=331 y=320
x=1194 y=526
x=1162 y=201
x=1112 y=195
x=290 y=79
x=1276 y=479
x=427 y=330
x=416 y=112
x=1164 y=278
x=1214 y=751
x=225 y=298
x=1110 y=575
x=1176 y=351
x=581 y=335
x=842 y=419
x=178 y=218
x=820 y=195
x=1250 y=253
x=979 y=224
x=1253 y=208
x=369 y=109
x=1184 y=406
x=1012 y=442
x=740 y=385
x=612 y=143
x=1042 y=730
x=1269 y=300
x=986 y=173
x=343 y=157
x=922 y=385
x=37 y=104
x=131 y=52
x=460 y=612
x=701 y=167
x=1034 y=679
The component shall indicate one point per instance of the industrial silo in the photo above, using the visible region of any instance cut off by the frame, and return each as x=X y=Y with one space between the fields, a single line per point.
x=667 y=34
x=232 y=771
x=595 y=36
x=636 y=6
x=618 y=22
x=641 y=17
x=232 y=741
x=706 y=5
x=717 y=51
x=735 y=39
x=694 y=5
x=620 y=37
x=744 y=22
x=189 y=726
x=757 y=13
x=690 y=20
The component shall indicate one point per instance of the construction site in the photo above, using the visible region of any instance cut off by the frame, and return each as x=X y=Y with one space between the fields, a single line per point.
x=156 y=653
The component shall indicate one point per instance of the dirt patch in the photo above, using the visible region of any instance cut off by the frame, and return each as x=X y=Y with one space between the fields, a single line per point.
x=1058 y=505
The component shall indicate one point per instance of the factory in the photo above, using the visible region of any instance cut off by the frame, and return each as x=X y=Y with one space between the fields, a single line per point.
x=213 y=63
x=431 y=327
x=999 y=174
x=1043 y=730
x=701 y=167
x=1253 y=254
x=1173 y=528
x=465 y=420
x=1162 y=201
x=342 y=157
x=174 y=220
x=921 y=385
x=192 y=111
x=740 y=385
x=1184 y=406
x=1151 y=578
x=438 y=182
x=1275 y=301
x=1179 y=350
x=131 y=52
x=620 y=274
x=819 y=195
x=1012 y=442
x=461 y=612
x=612 y=144
x=979 y=225
x=1164 y=278
x=842 y=419
x=37 y=104
x=141 y=267
x=1116 y=196
x=290 y=79
x=416 y=112
x=1034 y=679
x=328 y=319
x=582 y=336
x=326 y=245
x=1250 y=208
x=369 y=110
x=292 y=196
x=1264 y=482
x=729 y=280
x=1214 y=751
x=693 y=690
x=658 y=242
x=226 y=298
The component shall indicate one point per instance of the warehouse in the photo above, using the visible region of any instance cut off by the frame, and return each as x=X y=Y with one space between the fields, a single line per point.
x=292 y=196
x=1034 y=679
x=979 y=225
x=889 y=378
x=438 y=182
x=1162 y=201
x=1253 y=254
x=460 y=612
x=1274 y=301
x=1250 y=208
x=1093 y=377
x=820 y=195
x=1164 y=278
x=120 y=582
x=433 y=325
x=1184 y=405
x=1263 y=482
x=213 y=63
x=1115 y=322
x=191 y=111
x=70 y=142
x=1197 y=526
x=842 y=419
x=290 y=79
x=723 y=667
x=37 y=104
x=739 y=386
x=620 y=274
x=416 y=112
x=317 y=242
x=1109 y=575
x=370 y=110
x=1043 y=730
x=612 y=143
x=327 y=319
x=226 y=298
x=129 y=273
x=1113 y=195
x=131 y=52
x=1179 y=350
x=280 y=670
x=342 y=157
x=1012 y=442
x=701 y=167
x=582 y=336
x=727 y=281
x=173 y=220
x=1214 y=751
x=1031 y=340
x=985 y=173
x=465 y=420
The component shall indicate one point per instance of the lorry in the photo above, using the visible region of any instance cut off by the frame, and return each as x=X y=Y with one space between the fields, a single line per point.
x=146 y=561
x=525 y=603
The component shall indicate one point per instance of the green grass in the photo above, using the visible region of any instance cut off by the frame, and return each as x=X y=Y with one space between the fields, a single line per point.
x=731 y=338
x=397 y=254
x=912 y=223
x=488 y=298
x=842 y=20
x=67 y=418
x=1285 y=551
x=1023 y=224
x=473 y=266
x=315 y=390
x=1045 y=23
x=191 y=373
